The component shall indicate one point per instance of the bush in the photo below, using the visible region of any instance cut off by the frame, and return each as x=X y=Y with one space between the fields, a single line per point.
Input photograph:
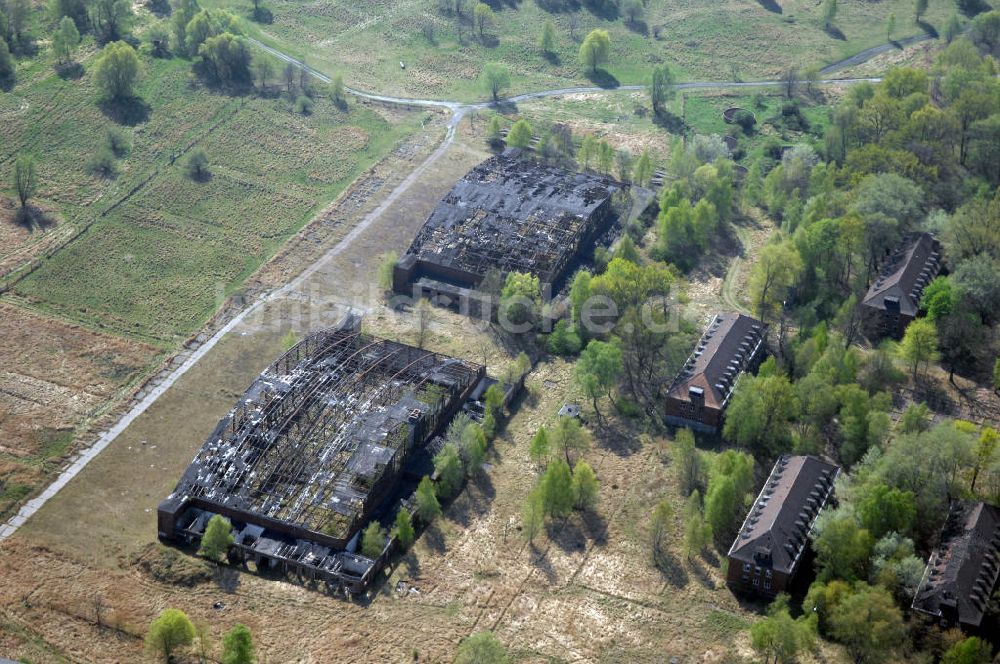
x=746 y=120
x=303 y=105
x=118 y=142
x=197 y=165
x=103 y=164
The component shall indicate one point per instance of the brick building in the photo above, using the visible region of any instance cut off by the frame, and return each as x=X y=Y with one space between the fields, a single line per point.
x=894 y=299
x=769 y=548
x=731 y=345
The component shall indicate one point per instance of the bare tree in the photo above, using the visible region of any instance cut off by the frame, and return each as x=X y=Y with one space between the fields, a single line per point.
x=789 y=78
x=574 y=25
x=422 y=319
x=289 y=75
x=100 y=606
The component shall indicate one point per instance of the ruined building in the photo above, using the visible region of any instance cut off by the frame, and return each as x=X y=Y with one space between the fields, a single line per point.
x=961 y=573
x=508 y=214
x=769 y=549
x=731 y=345
x=894 y=299
x=313 y=450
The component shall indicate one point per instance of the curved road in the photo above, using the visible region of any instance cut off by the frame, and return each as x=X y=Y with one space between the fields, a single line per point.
x=458 y=111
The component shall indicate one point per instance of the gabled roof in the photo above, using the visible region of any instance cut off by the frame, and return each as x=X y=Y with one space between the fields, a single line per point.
x=775 y=531
x=962 y=571
x=725 y=349
x=914 y=264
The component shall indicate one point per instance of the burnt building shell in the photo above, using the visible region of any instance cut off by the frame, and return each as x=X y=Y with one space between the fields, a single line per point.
x=315 y=446
x=731 y=345
x=508 y=214
x=962 y=571
x=893 y=300
x=768 y=551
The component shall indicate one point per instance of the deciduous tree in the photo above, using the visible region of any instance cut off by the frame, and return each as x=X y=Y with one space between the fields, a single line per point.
x=117 y=71
x=556 y=489
x=595 y=49
x=403 y=529
x=483 y=17
x=662 y=90
x=373 y=540
x=237 y=646
x=169 y=632
x=25 y=179
x=586 y=488
x=547 y=41
x=495 y=79
x=428 y=507
x=520 y=134
x=217 y=539
x=65 y=40
x=919 y=346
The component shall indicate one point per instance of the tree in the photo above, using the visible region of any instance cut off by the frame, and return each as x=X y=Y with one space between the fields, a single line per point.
x=170 y=631
x=760 y=412
x=226 y=60
x=721 y=506
x=539 y=448
x=660 y=528
x=403 y=530
x=217 y=539
x=869 y=624
x=598 y=371
x=520 y=300
x=772 y=277
x=428 y=507
x=481 y=648
x=197 y=165
x=919 y=344
x=972 y=650
x=209 y=23
x=337 y=91
x=890 y=27
x=690 y=470
x=885 y=509
x=179 y=19
x=493 y=136
x=586 y=488
x=952 y=29
x=643 y=172
x=532 y=516
x=25 y=179
x=662 y=88
x=556 y=489
x=843 y=548
x=986 y=447
x=373 y=540
x=829 y=13
x=520 y=134
x=570 y=436
x=595 y=49
x=65 y=40
x=697 y=533
x=237 y=646
x=483 y=17
x=422 y=313
x=75 y=9
x=495 y=79
x=117 y=71
x=547 y=41
x=8 y=72
x=448 y=466
x=623 y=164
x=781 y=636
x=919 y=9
x=111 y=19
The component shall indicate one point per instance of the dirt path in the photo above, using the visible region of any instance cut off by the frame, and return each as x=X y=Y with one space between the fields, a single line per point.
x=458 y=111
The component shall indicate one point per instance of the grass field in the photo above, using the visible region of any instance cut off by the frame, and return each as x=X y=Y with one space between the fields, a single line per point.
x=158 y=264
x=626 y=121
x=703 y=40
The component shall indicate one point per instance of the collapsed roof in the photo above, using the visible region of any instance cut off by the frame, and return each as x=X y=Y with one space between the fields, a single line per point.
x=512 y=214
x=962 y=572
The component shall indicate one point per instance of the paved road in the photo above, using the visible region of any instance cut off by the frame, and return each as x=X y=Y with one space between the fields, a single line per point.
x=458 y=111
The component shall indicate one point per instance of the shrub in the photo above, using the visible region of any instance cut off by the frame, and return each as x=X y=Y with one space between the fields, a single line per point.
x=303 y=105
x=197 y=165
x=103 y=164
